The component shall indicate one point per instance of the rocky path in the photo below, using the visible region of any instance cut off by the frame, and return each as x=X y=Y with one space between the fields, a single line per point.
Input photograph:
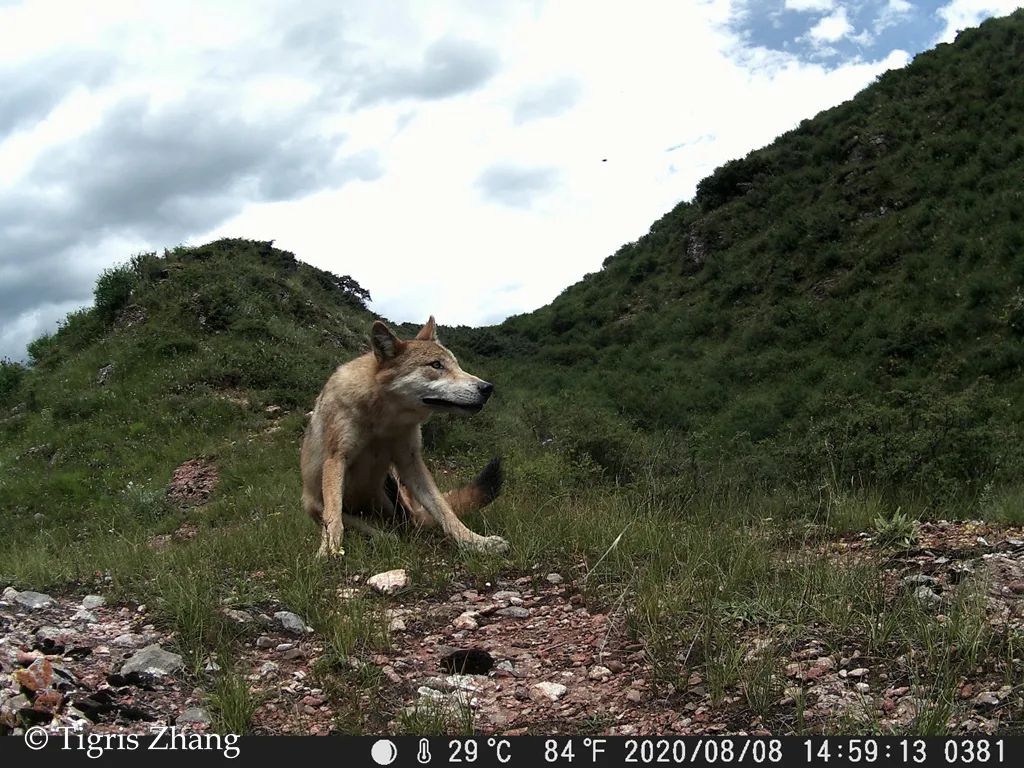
x=546 y=661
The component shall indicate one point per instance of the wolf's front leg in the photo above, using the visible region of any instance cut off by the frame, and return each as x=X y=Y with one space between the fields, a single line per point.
x=421 y=485
x=333 y=527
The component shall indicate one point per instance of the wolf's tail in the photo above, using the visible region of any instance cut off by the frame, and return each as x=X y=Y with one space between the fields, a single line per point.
x=475 y=495
x=480 y=492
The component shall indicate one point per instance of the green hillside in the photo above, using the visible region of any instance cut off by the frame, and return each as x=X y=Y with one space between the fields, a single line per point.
x=848 y=299
x=180 y=357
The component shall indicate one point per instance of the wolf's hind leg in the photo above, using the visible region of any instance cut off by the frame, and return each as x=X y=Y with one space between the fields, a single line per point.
x=358 y=524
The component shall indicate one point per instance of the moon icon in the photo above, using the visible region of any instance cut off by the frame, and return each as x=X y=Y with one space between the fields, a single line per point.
x=383 y=752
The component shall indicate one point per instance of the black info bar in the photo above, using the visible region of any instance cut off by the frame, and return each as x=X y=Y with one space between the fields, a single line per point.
x=166 y=746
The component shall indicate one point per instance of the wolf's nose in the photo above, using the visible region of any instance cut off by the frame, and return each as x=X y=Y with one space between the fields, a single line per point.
x=485 y=388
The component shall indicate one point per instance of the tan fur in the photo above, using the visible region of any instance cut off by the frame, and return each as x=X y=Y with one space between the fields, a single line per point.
x=366 y=425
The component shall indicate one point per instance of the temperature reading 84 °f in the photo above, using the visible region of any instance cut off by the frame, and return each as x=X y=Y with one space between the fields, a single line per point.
x=468 y=750
x=591 y=748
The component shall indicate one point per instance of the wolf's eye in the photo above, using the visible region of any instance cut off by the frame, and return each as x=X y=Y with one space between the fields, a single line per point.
x=438 y=365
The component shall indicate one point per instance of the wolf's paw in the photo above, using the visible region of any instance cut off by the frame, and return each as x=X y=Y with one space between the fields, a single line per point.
x=492 y=544
x=330 y=552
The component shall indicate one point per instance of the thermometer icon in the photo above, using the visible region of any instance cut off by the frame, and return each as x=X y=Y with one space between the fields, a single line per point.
x=423 y=755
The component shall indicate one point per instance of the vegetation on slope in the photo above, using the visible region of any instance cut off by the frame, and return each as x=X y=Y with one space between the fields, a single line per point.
x=847 y=300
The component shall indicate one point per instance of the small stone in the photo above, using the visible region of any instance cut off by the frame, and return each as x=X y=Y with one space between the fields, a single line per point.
x=52 y=639
x=986 y=699
x=104 y=373
x=858 y=672
x=241 y=617
x=292 y=622
x=549 y=691
x=466 y=621
x=127 y=640
x=293 y=654
x=348 y=593
x=87 y=616
x=862 y=687
x=633 y=695
x=33 y=600
x=268 y=668
x=599 y=673
x=153 y=660
x=91 y=602
x=389 y=582
x=396 y=625
x=505 y=595
x=194 y=716
x=282 y=647
x=917 y=580
x=37 y=676
x=927 y=597
x=514 y=612
x=264 y=642
x=555 y=578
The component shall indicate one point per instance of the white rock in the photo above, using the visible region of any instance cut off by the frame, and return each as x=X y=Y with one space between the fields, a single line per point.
x=90 y=602
x=153 y=660
x=33 y=600
x=466 y=621
x=292 y=622
x=599 y=673
x=555 y=578
x=242 y=617
x=549 y=691
x=389 y=582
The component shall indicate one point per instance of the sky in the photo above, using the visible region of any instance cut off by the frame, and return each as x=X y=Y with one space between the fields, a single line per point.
x=464 y=159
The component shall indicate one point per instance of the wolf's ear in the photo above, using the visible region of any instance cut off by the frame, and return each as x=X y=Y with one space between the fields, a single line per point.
x=384 y=342
x=429 y=331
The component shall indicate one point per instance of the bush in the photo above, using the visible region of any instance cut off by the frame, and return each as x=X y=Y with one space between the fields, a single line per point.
x=11 y=376
x=113 y=291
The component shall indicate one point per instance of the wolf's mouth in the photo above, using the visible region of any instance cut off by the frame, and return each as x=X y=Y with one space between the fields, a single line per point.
x=437 y=402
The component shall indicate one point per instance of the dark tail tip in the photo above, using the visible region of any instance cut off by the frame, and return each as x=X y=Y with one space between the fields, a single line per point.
x=490 y=480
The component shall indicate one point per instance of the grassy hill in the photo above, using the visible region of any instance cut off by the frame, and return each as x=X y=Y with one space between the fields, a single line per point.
x=847 y=300
x=827 y=340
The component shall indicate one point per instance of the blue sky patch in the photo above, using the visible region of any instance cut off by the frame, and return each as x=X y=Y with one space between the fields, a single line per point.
x=832 y=32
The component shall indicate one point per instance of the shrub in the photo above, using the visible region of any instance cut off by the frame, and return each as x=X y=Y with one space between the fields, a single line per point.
x=113 y=290
x=11 y=376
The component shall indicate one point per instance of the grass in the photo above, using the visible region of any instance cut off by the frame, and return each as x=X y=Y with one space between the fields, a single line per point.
x=233 y=703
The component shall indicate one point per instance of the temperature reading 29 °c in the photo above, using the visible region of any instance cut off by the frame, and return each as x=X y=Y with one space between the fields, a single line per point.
x=468 y=750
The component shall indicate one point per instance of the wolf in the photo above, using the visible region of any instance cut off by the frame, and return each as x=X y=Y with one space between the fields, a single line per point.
x=362 y=451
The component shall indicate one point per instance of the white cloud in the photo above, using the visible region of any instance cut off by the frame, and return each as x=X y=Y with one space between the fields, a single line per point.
x=471 y=178
x=893 y=13
x=810 y=5
x=961 y=14
x=831 y=29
